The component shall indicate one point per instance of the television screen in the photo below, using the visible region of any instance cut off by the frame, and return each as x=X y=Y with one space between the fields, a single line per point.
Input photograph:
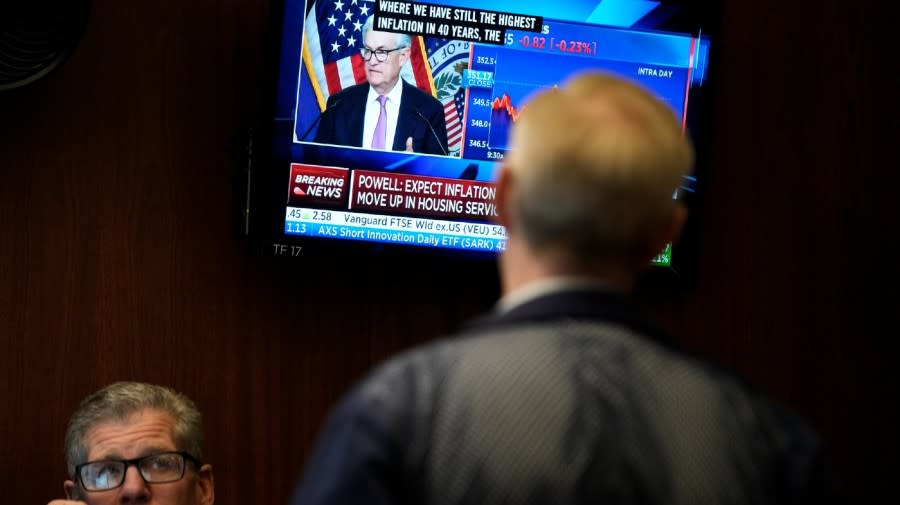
x=342 y=168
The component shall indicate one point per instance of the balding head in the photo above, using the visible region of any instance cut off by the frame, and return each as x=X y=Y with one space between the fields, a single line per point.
x=592 y=169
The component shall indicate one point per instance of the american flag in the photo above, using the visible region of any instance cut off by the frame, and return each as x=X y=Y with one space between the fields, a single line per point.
x=448 y=59
x=332 y=40
x=452 y=106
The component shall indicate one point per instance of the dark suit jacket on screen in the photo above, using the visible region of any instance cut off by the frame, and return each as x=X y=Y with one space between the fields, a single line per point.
x=342 y=121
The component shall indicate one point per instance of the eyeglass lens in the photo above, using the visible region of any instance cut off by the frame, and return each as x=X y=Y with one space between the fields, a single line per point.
x=155 y=468
x=380 y=54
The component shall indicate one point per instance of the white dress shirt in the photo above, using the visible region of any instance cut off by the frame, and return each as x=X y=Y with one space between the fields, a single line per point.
x=392 y=105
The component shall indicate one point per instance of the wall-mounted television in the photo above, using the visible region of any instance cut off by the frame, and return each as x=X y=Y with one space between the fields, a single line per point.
x=325 y=176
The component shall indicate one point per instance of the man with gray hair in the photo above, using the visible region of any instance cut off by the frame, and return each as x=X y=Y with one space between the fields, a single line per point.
x=133 y=442
x=565 y=394
x=386 y=112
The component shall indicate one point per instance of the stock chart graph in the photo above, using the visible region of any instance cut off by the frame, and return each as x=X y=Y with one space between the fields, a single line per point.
x=501 y=79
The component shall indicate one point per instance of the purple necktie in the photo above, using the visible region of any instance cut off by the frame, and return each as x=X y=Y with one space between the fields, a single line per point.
x=381 y=125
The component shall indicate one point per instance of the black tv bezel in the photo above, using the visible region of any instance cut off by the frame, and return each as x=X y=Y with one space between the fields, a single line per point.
x=261 y=188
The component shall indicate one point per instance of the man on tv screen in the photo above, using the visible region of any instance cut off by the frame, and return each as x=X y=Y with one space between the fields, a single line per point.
x=386 y=112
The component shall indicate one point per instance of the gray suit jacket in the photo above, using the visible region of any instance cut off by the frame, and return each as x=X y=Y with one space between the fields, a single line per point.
x=570 y=398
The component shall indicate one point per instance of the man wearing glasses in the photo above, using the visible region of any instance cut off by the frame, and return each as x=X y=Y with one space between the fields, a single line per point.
x=386 y=112
x=136 y=443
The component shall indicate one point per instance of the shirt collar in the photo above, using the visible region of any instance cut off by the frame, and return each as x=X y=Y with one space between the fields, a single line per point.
x=393 y=95
x=543 y=287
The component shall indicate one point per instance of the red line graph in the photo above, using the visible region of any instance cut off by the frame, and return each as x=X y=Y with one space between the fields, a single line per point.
x=505 y=103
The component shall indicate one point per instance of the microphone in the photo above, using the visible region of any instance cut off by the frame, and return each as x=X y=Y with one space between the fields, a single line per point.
x=438 y=139
x=327 y=110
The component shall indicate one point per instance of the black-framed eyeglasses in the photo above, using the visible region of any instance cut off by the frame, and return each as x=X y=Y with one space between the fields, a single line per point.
x=380 y=54
x=154 y=469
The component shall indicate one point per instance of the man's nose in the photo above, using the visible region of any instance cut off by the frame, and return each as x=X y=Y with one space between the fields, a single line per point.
x=134 y=489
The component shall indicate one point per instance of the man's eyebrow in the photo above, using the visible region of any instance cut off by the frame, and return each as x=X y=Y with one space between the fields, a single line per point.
x=108 y=456
x=146 y=451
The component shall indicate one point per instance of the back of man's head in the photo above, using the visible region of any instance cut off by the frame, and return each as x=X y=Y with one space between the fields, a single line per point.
x=594 y=165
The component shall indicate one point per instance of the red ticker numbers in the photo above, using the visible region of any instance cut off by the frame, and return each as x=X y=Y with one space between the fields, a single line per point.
x=574 y=46
x=542 y=42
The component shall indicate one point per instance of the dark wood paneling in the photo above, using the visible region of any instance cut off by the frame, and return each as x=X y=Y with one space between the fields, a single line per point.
x=118 y=259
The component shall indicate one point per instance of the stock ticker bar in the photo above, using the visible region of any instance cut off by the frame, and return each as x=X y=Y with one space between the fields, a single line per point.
x=394 y=229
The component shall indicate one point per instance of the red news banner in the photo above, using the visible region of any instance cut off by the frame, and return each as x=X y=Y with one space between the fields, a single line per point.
x=395 y=193
x=422 y=195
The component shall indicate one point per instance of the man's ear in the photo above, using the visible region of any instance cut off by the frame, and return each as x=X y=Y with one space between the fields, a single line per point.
x=670 y=230
x=206 y=485
x=404 y=55
x=676 y=223
x=503 y=186
x=71 y=490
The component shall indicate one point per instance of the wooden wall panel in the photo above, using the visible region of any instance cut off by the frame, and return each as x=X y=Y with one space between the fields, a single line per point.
x=118 y=258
